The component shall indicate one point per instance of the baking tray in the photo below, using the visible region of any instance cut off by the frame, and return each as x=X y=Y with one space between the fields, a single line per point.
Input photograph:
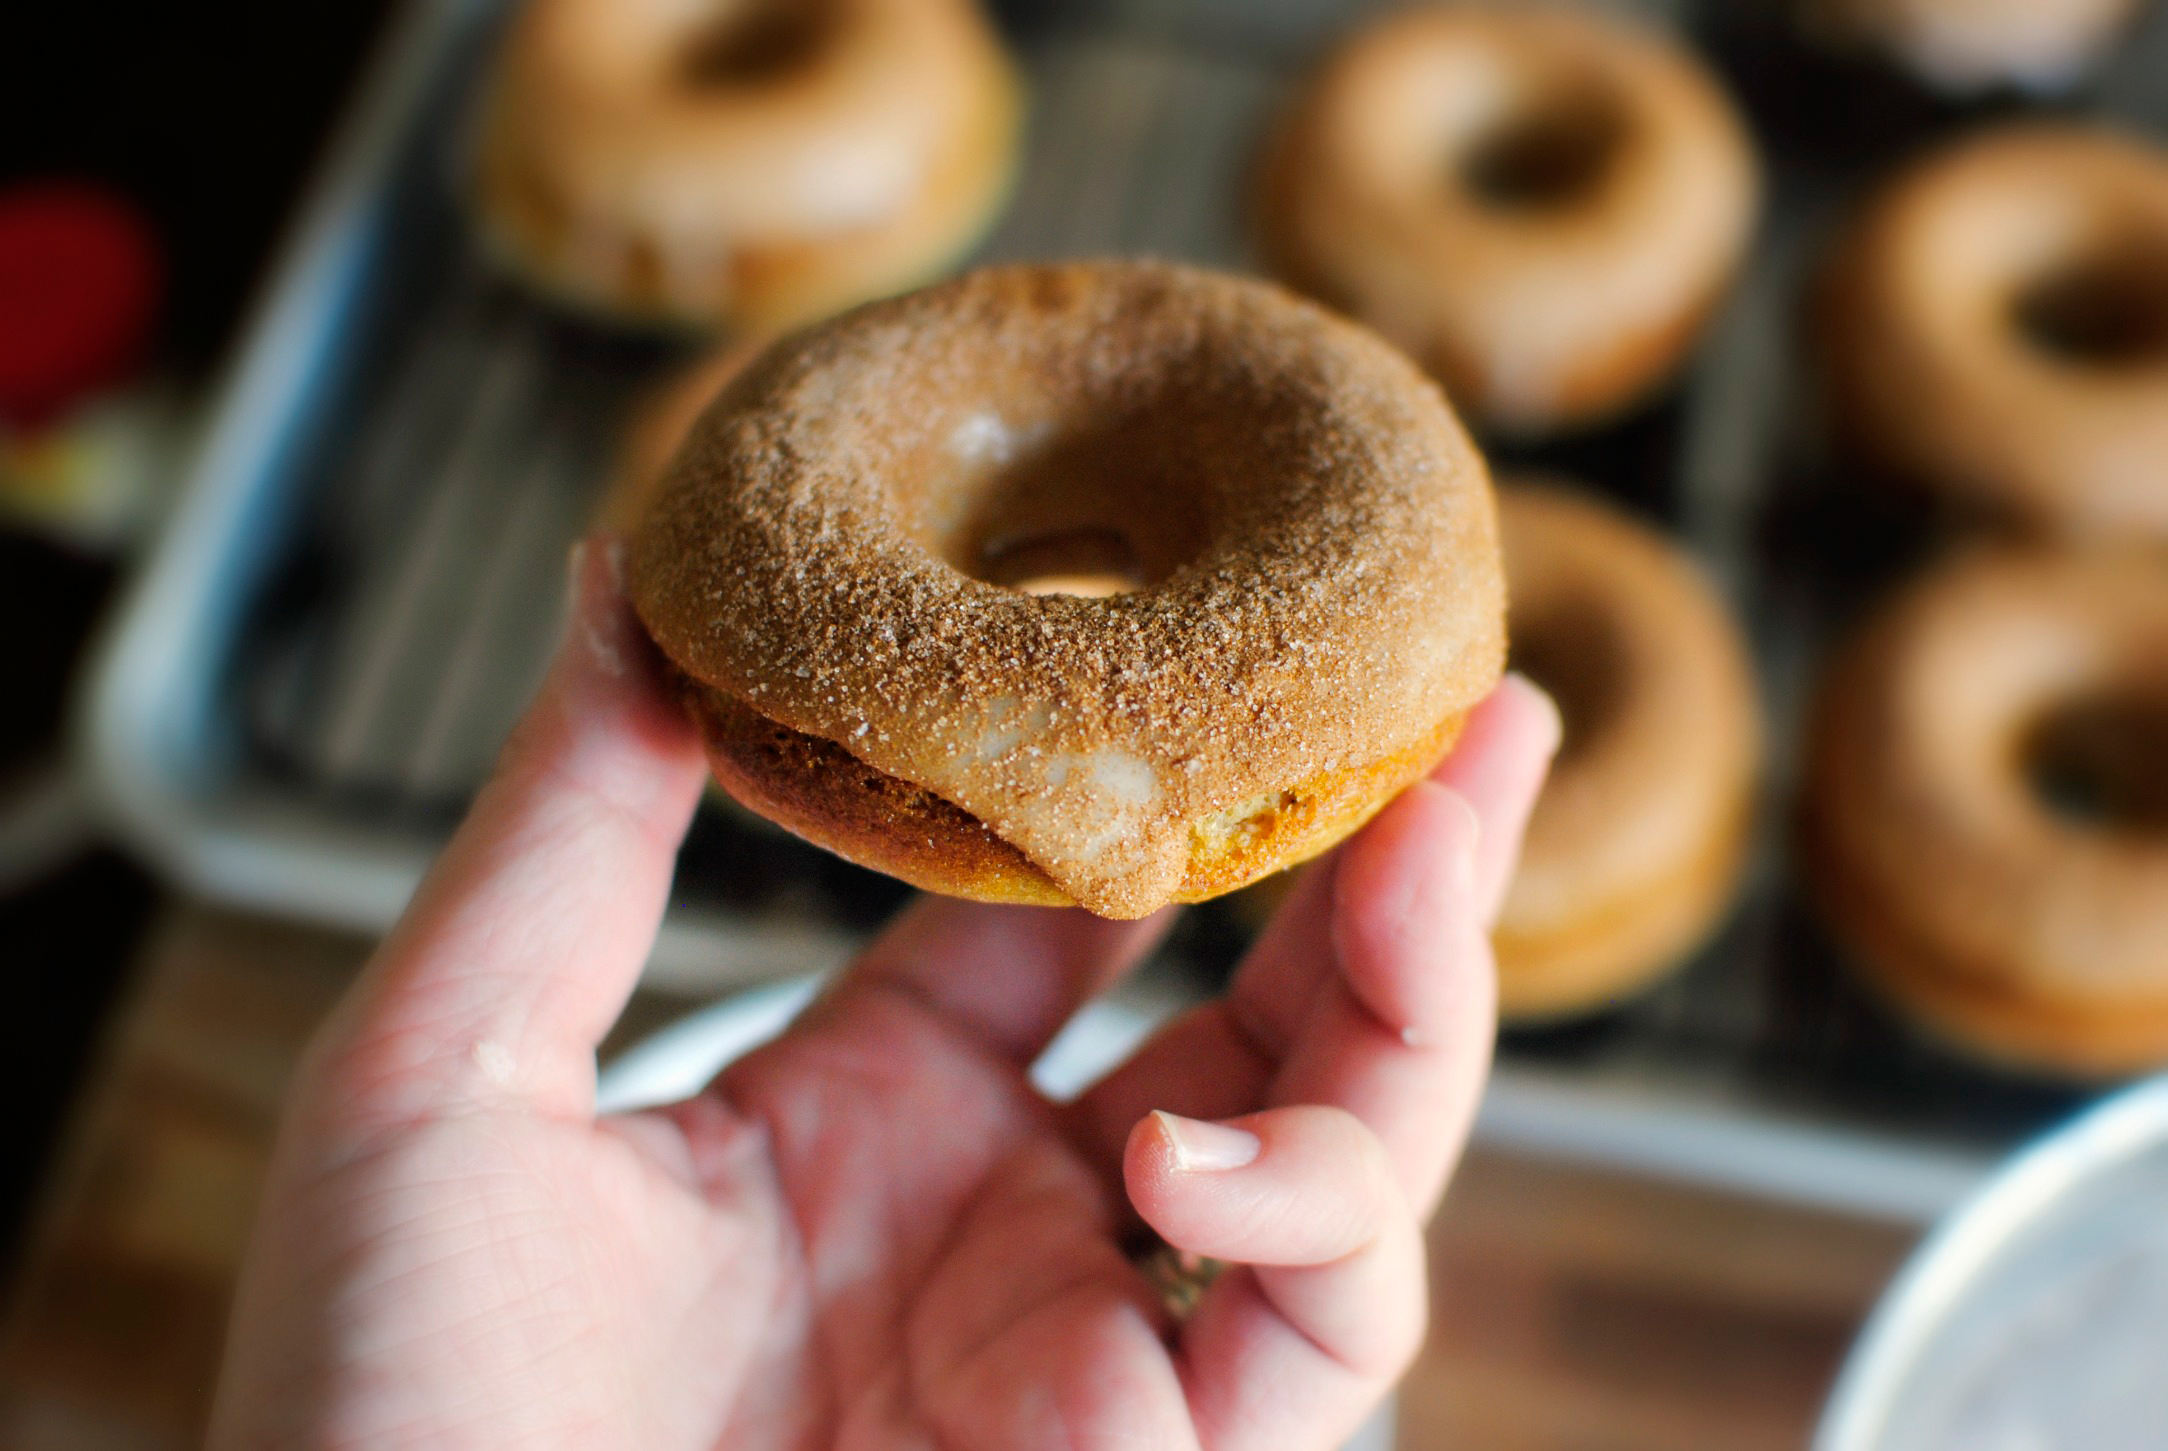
x=364 y=573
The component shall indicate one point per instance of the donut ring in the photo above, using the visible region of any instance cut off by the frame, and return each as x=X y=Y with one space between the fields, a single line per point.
x=1638 y=841
x=1999 y=328
x=1541 y=206
x=757 y=168
x=1321 y=600
x=2006 y=925
x=1970 y=45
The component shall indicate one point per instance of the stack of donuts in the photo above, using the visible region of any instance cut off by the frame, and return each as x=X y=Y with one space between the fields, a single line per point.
x=1544 y=206
x=1122 y=583
x=1986 y=814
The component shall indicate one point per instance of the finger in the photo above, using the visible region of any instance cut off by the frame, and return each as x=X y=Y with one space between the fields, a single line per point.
x=1007 y=976
x=1041 y=1231
x=1401 y=994
x=524 y=940
x=1401 y=1035
x=1498 y=766
x=1215 y=1060
x=1495 y=766
x=1033 y=1330
x=1330 y=1306
x=1412 y=879
x=1201 y=1065
x=1279 y=977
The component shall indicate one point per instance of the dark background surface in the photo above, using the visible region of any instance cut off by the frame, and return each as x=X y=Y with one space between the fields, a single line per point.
x=208 y=118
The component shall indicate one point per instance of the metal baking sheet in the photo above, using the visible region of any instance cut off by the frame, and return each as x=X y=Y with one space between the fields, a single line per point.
x=364 y=574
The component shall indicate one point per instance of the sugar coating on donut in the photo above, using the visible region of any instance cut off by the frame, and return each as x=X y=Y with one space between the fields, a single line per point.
x=1315 y=536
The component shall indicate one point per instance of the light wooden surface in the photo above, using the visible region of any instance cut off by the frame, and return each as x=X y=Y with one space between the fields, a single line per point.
x=1573 y=1311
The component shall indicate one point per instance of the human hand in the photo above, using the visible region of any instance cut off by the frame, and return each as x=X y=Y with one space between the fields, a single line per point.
x=873 y=1234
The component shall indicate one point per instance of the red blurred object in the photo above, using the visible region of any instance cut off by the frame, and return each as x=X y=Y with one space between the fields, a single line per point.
x=80 y=281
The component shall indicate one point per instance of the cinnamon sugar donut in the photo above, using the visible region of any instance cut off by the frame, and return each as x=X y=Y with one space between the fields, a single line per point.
x=833 y=561
x=1987 y=807
x=1540 y=205
x=1637 y=841
x=1967 y=45
x=1999 y=328
x=756 y=162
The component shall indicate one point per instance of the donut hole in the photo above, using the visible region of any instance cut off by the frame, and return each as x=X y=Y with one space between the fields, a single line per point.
x=2109 y=311
x=1105 y=510
x=1580 y=662
x=1547 y=156
x=2101 y=762
x=757 y=42
x=1089 y=561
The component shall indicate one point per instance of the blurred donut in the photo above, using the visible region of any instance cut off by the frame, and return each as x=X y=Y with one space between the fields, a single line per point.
x=756 y=164
x=1968 y=45
x=1638 y=840
x=1541 y=206
x=1998 y=328
x=1987 y=807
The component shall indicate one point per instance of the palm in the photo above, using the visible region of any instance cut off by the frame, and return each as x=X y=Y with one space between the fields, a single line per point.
x=870 y=1234
x=957 y=1272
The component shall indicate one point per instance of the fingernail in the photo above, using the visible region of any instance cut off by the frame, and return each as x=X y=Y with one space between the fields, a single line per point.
x=1207 y=1148
x=1460 y=856
x=591 y=624
x=1543 y=700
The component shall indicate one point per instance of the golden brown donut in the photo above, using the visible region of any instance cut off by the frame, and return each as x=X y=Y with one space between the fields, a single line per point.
x=2030 y=932
x=1999 y=328
x=756 y=163
x=1638 y=839
x=833 y=566
x=1540 y=205
x=1966 y=45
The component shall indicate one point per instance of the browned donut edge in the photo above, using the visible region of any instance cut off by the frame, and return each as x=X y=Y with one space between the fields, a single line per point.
x=817 y=790
x=1961 y=1005
x=775 y=285
x=1627 y=944
x=1963 y=997
x=1600 y=385
x=1624 y=936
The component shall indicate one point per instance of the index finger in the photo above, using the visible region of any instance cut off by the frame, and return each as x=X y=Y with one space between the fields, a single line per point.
x=526 y=937
x=1341 y=965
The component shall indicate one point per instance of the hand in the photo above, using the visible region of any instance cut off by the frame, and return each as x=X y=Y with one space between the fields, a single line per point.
x=873 y=1233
